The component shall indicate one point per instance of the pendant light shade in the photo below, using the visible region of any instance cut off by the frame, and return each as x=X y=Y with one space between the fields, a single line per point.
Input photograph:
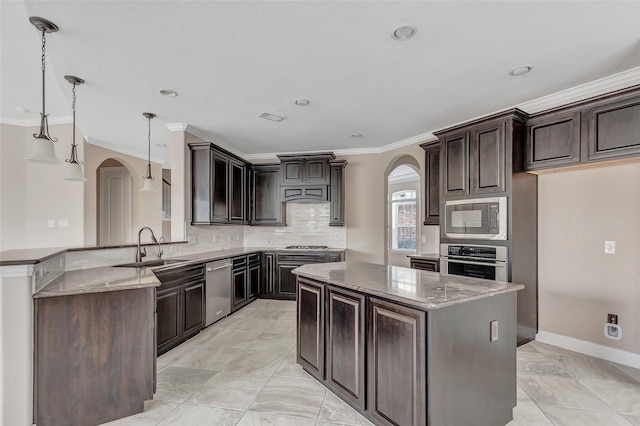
x=43 y=149
x=74 y=168
x=148 y=181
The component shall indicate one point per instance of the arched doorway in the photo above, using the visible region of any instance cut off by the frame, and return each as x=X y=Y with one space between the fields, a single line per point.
x=114 y=203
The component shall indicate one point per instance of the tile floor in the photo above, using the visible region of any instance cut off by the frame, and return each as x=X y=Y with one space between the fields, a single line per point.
x=242 y=371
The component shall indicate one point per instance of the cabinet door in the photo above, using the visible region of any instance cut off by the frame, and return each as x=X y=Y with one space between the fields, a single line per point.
x=336 y=194
x=286 y=288
x=432 y=185
x=292 y=171
x=194 y=309
x=310 y=329
x=396 y=364
x=553 y=140
x=169 y=326
x=237 y=189
x=239 y=288
x=201 y=185
x=266 y=207
x=611 y=129
x=316 y=171
x=253 y=280
x=488 y=158
x=455 y=149
x=268 y=275
x=345 y=345
x=220 y=188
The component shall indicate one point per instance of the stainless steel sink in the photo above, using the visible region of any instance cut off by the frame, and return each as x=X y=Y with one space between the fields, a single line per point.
x=150 y=263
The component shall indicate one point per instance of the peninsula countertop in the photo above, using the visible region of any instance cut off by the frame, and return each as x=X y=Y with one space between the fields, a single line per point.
x=420 y=289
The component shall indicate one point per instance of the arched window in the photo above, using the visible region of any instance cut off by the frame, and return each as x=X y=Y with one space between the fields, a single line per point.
x=404 y=218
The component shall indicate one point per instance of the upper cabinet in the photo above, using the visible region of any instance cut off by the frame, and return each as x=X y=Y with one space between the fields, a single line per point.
x=598 y=129
x=432 y=183
x=478 y=156
x=336 y=193
x=266 y=207
x=218 y=186
x=302 y=169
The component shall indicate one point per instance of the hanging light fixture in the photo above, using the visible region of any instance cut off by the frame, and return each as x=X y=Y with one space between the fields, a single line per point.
x=148 y=185
x=74 y=171
x=43 y=149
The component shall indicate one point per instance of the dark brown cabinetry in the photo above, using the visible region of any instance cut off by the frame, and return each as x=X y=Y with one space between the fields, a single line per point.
x=345 y=332
x=268 y=275
x=218 y=186
x=307 y=169
x=479 y=157
x=266 y=207
x=245 y=280
x=431 y=265
x=396 y=360
x=310 y=344
x=179 y=305
x=285 y=283
x=432 y=183
x=553 y=140
x=336 y=195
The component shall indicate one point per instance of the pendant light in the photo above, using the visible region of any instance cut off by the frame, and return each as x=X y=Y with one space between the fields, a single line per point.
x=148 y=185
x=74 y=171
x=43 y=149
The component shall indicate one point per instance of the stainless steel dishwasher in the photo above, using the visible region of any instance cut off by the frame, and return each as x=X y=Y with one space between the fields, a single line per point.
x=218 y=291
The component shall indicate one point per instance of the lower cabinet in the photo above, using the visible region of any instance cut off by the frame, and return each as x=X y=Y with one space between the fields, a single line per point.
x=180 y=308
x=245 y=280
x=310 y=317
x=284 y=281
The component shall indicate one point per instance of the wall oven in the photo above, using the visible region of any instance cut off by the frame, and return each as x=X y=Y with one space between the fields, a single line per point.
x=488 y=262
x=480 y=218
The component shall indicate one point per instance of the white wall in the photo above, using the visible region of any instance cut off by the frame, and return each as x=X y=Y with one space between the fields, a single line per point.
x=33 y=193
x=578 y=283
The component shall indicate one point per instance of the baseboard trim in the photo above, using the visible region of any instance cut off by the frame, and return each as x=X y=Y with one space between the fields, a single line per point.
x=588 y=348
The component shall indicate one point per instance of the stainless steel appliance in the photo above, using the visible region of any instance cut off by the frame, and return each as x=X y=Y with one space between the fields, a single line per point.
x=217 y=291
x=478 y=261
x=479 y=218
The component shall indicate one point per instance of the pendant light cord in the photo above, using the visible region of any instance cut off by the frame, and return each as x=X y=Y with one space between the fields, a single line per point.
x=148 y=176
x=44 y=125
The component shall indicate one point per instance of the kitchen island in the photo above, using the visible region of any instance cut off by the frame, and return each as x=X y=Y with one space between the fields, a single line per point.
x=408 y=347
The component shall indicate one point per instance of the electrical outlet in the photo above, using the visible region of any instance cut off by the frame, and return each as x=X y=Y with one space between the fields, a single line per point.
x=63 y=223
x=609 y=247
x=612 y=331
x=51 y=223
x=612 y=318
x=494 y=330
x=192 y=240
x=173 y=249
x=423 y=239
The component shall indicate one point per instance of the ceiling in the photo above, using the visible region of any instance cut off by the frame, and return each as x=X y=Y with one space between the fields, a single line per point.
x=229 y=61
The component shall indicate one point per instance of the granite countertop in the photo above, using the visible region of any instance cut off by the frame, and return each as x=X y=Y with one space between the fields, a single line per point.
x=99 y=280
x=421 y=289
x=427 y=256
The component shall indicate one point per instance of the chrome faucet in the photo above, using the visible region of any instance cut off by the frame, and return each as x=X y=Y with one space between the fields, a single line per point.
x=142 y=251
x=160 y=241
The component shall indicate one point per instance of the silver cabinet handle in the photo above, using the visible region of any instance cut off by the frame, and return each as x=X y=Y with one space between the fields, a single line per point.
x=497 y=265
x=226 y=265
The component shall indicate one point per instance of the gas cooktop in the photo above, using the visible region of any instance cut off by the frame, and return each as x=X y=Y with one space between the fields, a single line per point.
x=306 y=247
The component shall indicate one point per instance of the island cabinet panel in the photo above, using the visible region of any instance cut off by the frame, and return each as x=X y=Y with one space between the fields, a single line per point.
x=168 y=314
x=456 y=165
x=488 y=158
x=611 y=129
x=553 y=140
x=396 y=363
x=346 y=345
x=310 y=327
x=94 y=356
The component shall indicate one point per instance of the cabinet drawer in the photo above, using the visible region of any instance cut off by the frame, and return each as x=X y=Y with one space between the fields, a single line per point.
x=177 y=276
x=253 y=258
x=239 y=262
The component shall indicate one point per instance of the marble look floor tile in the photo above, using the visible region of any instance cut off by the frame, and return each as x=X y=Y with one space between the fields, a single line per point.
x=268 y=314
x=583 y=367
x=522 y=396
x=527 y=347
x=552 y=350
x=622 y=397
x=284 y=326
x=154 y=412
x=290 y=368
x=205 y=335
x=196 y=415
x=290 y=397
x=570 y=417
x=174 y=354
x=230 y=390
x=177 y=384
x=252 y=418
x=273 y=342
x=286 y=305
x=261 y=363
x=528 y=414
x=537 y=364
x=206 y=358
x=232 y=338
x=251 y=324
x=634 y=420
x=560 y=392
x=334 y=409
x=634 y=373
x=289 y=315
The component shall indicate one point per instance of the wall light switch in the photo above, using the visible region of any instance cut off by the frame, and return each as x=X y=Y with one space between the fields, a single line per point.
x=494 y=330
x=423 y=239
x=63 y=223
x=51 y=223
x=609 y=247
x=192 y=240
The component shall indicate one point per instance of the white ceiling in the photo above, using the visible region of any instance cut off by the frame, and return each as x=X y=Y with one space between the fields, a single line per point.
x=232 y=60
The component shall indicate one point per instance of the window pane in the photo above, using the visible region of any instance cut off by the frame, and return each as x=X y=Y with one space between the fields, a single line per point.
x=404 y=218
x=403 y=195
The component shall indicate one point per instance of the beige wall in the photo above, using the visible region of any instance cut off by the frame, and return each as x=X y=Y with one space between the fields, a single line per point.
x=578 y=284
x=146 y=207
x=33 y=193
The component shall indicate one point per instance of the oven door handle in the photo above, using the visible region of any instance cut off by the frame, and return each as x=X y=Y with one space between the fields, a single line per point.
x=497 y=265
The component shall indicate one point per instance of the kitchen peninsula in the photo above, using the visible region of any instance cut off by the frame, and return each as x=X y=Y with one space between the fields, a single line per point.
x=404 y=346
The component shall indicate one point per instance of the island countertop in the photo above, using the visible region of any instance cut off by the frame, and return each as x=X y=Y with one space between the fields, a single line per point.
x=420 y=289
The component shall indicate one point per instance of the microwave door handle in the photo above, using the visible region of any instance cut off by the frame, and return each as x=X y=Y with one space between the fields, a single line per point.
x=497 y=265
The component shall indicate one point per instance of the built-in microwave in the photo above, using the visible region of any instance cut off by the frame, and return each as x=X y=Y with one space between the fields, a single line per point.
x=480 y=218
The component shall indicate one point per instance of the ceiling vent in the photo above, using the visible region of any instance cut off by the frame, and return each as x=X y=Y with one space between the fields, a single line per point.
x=272 y=117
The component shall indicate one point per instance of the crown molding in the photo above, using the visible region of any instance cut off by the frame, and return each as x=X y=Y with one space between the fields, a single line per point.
x=35 y=122
x=588 y=90
x=177 y=127
x=121 y=150
x=208 y=138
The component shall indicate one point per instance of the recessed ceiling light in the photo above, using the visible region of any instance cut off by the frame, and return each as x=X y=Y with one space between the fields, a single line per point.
x=355 y=135
x=169 y=92
x=520 y=70
x=161 y=145
x=302 y=102
x=272 y=117
x=403 y=32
